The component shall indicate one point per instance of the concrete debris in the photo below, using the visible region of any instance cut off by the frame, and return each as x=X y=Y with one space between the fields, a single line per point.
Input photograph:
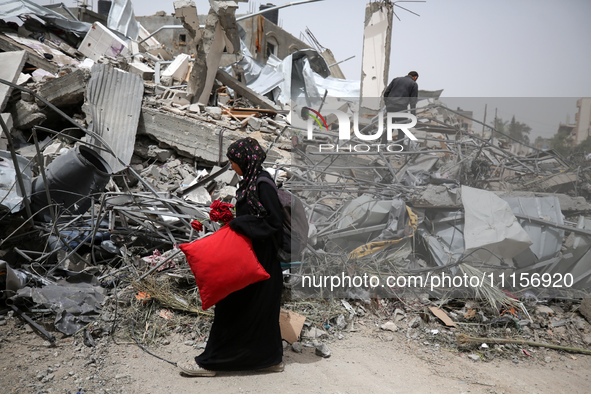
x=297 y=347
x=322 y=350
x=100 y=41
x=65 y=90
x=315 y=333
x=585 y=309
x=389 y=326
x=26 y=115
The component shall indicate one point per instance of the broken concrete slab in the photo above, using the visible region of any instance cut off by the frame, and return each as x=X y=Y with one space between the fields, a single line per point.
x=568 y=204
x=12 y=64
x=144 y=71
x=27 y=115
x=190 y=137
x=161 y=154
x=226 y=13
x=255 y=123
x=178 y=69
x=42 y=50
x=186 y=11
x=199 y=196
x=8 y=45
x=66 y=90
x=559 y=182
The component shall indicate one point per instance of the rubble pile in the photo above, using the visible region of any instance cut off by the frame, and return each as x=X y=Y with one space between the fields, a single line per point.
x=111 y=148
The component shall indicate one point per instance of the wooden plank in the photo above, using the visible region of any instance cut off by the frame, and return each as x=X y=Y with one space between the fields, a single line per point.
x=440 y=313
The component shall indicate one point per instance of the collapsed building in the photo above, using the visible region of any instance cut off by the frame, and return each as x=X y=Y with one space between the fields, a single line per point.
x=112 y=145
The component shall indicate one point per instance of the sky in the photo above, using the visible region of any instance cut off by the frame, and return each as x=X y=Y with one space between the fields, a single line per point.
x=468 y=48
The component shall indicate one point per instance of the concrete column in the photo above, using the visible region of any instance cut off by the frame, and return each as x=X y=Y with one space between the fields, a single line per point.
x=220 y=32
x=377 y=38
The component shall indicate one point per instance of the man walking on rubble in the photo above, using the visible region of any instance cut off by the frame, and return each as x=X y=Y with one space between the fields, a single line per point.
x=401 y=92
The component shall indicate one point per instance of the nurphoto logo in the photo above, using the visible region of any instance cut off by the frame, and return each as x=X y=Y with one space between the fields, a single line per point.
x=394 y=121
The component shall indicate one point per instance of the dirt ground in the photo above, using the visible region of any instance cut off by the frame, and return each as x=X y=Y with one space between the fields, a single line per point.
x=366 y=360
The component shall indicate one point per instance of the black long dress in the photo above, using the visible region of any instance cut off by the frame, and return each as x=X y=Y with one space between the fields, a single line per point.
x=245 y=334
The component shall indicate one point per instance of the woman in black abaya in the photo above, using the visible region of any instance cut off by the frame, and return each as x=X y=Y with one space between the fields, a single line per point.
x=245 y=334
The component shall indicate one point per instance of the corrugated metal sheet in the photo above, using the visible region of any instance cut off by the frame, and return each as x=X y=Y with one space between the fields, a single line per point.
x=9 y=8
x=115 y=100
x=547 y=240
x=122 y=19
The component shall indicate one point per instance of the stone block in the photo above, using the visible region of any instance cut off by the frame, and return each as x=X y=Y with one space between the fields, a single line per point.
x=585 y=309
x=66 y=90
x=27 y=115
x=144 y=71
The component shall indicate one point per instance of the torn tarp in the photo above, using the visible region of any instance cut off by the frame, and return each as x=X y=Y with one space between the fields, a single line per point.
x=301 y=74
x=76 y=301
x=490 y=224
x=11 y=8
x=546 y=240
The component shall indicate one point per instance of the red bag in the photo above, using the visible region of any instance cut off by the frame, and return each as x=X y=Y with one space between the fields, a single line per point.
x=222 y=263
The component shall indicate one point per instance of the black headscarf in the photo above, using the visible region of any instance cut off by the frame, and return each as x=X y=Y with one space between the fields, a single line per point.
x=249 y=156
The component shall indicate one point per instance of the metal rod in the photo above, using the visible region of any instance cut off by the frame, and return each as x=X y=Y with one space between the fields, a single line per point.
x=43 y=175
x=552 y=224
x=342 y=61
x=31 y=323
x=273 y=9
x=165 y=27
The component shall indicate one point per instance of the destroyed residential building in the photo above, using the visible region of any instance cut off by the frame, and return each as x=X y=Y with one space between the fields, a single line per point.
x=112 y=145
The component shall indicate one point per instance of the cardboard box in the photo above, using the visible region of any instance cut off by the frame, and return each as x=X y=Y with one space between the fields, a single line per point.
x=291 y=325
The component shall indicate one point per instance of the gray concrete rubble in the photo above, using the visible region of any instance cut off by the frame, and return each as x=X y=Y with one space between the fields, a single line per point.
x=67 y=89
x=112 y=150
x=12 y=64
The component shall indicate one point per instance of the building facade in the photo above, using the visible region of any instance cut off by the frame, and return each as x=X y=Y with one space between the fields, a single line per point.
x=582 y=128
